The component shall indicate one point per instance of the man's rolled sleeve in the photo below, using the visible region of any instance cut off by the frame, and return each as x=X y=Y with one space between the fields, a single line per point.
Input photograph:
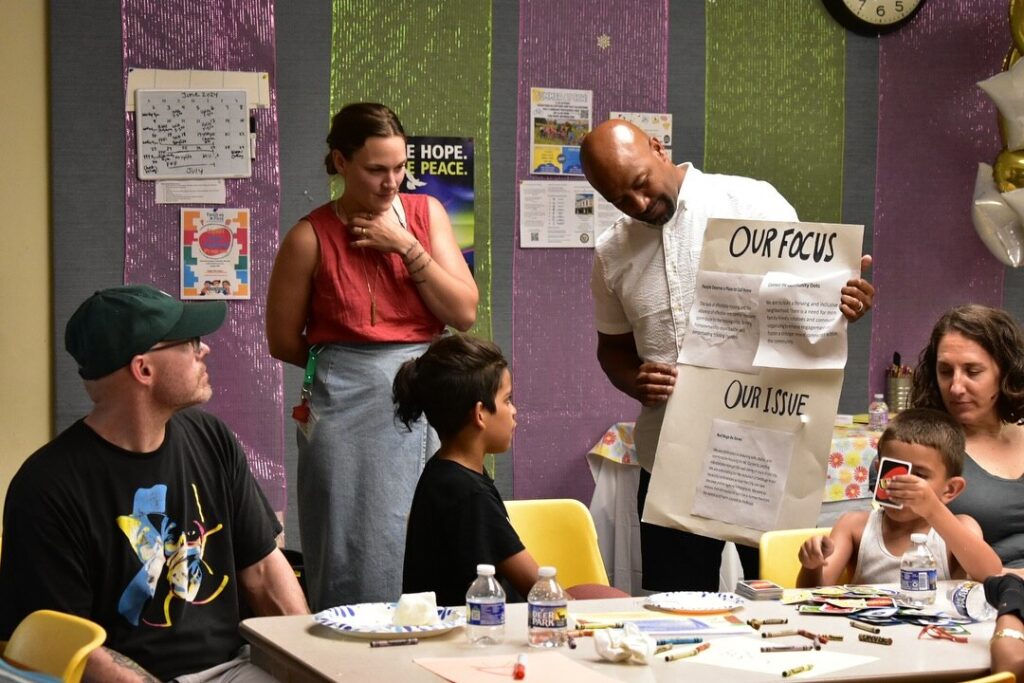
x=609 y=315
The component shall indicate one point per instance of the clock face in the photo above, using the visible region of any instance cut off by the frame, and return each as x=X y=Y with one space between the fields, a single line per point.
x=882 y=12
x=871 y=17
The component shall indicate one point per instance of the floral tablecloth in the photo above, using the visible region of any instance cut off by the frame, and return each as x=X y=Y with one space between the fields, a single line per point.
x=853 y=450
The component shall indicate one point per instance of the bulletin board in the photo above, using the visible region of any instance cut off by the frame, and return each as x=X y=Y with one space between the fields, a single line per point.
x=192 y=134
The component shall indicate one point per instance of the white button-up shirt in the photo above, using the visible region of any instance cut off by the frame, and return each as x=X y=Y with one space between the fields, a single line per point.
x=644 y=276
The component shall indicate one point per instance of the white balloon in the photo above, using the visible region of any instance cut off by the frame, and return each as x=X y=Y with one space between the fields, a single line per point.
x=997 y=218
x=1005 y=89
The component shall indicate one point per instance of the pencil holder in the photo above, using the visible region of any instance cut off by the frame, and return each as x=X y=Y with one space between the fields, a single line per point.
x=898 y=394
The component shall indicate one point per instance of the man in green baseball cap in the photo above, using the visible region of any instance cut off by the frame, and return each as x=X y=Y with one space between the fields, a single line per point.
x=143 y=516
x=115 y=324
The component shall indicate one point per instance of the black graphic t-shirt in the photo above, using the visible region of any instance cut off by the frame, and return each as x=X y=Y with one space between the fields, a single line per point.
x=148 y=545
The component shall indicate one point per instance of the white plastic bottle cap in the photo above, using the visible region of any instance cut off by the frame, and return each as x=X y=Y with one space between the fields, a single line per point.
x=546 y=572
x=485 y=569
x=918 y=538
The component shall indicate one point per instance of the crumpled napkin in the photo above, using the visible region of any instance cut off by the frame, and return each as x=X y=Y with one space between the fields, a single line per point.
x=624 y=644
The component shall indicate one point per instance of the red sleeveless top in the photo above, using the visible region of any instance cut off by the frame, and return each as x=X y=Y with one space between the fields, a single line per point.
x=339 y=307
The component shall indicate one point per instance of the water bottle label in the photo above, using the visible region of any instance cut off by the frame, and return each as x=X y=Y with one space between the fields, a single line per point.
x=548 y=616
x=960 y=595
x=486 y=613
x=918 y=579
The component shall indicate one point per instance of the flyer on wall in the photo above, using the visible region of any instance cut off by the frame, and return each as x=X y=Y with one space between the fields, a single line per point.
x=562 y=213
x=655 y=125
x=443 y=168
x=559 y=119
x=214 y=253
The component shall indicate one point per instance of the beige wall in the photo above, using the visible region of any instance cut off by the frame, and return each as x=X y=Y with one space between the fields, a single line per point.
x=26 y=382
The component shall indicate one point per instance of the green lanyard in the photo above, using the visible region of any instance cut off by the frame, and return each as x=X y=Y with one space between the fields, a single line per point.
x=307 y=379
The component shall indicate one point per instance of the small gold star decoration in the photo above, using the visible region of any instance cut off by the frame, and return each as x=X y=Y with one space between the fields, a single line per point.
x=604 y=41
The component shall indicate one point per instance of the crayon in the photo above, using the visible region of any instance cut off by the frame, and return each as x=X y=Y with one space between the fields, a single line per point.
x=678 y=641
x=779 y=634
x=688 y=653
x=796 y=670
x=865 y=627
x=393 y=643
x=879 y=640
x=790 y=648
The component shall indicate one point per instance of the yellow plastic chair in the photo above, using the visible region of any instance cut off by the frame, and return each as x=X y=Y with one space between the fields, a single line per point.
x=54 y=643
x=1005 y=677
x=560 y=532
x=779 y=550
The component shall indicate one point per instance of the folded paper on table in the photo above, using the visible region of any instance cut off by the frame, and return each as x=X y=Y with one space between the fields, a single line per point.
x=540 y=666
x=745 y=654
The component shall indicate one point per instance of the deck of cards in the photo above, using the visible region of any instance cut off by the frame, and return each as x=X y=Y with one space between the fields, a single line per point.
x=759 y=589
x=887 y=469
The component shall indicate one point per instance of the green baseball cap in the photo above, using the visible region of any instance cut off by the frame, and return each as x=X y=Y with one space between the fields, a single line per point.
x=115 y=324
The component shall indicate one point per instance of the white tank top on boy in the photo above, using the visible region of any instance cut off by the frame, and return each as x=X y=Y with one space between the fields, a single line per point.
x=875 y=564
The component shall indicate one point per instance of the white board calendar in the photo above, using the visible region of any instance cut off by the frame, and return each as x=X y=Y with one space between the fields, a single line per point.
x=192 y=134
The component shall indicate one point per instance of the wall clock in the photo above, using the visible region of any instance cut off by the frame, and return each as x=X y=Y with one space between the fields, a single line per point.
x=872 y=17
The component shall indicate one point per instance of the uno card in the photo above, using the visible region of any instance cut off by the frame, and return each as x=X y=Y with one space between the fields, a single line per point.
x=887 y=469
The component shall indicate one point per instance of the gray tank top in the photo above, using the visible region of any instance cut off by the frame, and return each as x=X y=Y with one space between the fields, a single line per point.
x=998 y=506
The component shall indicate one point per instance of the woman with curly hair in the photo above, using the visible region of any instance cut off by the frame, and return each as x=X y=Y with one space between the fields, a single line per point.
x=973 y=368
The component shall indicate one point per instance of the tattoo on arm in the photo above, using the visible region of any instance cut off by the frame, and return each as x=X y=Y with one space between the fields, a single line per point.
x=130 y=664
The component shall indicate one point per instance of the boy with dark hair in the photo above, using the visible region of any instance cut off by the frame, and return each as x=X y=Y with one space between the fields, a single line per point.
x=870 y=543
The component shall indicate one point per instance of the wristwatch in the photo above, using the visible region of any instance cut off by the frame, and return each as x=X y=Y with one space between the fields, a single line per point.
x=1008 y=633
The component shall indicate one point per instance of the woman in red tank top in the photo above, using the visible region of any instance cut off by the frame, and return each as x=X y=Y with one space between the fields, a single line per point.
x=359 y=285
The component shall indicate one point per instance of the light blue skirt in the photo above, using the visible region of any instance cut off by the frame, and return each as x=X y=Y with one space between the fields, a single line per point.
x=356 y=476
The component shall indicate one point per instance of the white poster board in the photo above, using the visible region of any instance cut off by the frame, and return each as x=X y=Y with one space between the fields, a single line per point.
x=746 y=435
x=192 y=134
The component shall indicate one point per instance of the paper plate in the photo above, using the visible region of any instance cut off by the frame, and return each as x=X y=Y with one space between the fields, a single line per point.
x=695 y=602
x=374 y=620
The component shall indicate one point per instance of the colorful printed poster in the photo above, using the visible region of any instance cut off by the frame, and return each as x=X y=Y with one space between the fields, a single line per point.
x=214 y=253
x=443 y=168
x=559 y=120
x=654 y=125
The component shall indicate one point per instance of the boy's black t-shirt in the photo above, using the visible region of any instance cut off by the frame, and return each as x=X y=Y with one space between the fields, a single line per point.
x=458 y=520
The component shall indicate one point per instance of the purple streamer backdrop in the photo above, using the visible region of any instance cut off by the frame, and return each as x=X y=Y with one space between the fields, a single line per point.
x=230 y=35
x=935 y=126
x=565 y=402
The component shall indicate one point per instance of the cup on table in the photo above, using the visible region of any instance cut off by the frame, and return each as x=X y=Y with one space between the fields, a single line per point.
x=898 y=393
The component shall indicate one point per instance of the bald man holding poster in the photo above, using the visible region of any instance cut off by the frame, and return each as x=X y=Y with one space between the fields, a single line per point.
x=644 y=281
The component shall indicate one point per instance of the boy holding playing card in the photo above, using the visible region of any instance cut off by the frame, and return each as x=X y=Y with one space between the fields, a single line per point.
x=922 y=454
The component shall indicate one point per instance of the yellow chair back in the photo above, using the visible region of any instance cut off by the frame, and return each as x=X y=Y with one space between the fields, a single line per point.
x=560 y=532
x=54 y=643
x=1004 y=677
x=779 y=550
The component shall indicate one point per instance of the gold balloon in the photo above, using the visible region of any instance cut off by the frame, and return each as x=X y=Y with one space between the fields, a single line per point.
x=1017 y=23
x=1009 y=170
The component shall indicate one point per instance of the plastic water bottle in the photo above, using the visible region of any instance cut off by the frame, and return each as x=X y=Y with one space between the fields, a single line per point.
x=968 y=597
x=548 y=611
x=878 y=414
x=918 y=573
x=485 y=608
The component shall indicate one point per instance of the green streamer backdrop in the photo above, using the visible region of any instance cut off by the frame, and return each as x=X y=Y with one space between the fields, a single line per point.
x=430 y=62
x=775 y=99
